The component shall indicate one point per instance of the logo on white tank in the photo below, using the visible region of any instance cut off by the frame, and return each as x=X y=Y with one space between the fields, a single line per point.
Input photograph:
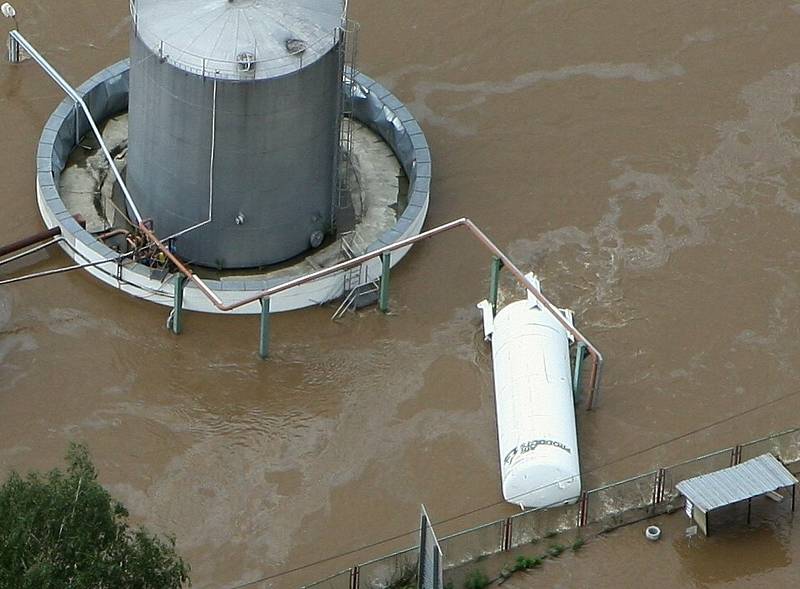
x=528 y=447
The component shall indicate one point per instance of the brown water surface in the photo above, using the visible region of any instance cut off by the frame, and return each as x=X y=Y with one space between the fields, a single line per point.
x=642 y=157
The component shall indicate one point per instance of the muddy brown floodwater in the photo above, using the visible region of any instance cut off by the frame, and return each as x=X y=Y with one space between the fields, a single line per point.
x=642 y=157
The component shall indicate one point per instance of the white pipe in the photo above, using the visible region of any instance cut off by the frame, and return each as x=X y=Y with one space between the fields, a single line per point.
x=210 y=170
x=70 y=91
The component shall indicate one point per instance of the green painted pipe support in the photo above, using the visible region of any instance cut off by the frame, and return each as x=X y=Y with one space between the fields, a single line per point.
x=494 y=282
x=177 y=309
x=263 y=341
x=383 y=300
x=580 y=354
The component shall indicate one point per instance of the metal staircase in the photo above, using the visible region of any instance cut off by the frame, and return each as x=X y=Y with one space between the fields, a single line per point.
x=358 y=291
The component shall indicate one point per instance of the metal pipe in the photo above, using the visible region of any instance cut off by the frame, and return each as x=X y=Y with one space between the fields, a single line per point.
x=597 y=358
x=72 y=93
x=210 y=170
x=33 y=250
x=64 y=269
x=113 y=233
x=529 y=286
x=28 y=241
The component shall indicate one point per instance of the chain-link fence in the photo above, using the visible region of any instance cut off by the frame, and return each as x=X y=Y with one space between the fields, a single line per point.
x=607 y=507
x=785 y=446
x=695 y=467
x=531 y=526
x=473 y=544
x=620 y=503
x=342 y=580
x=396 y=570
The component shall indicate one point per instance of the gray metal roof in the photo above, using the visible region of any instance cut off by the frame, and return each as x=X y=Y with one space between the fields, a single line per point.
x=212 y=37
x=755 y=477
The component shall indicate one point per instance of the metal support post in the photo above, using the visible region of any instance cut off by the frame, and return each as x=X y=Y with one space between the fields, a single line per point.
x=736 y=455
x=13 y=50
x=580 y=354
x=383 y=301
x=177 y=310
x=263 y=341
x=583 y=511
x=749 y=501
x=494 y=282
x=507 y=531
x=355 y=579
x=654 y=496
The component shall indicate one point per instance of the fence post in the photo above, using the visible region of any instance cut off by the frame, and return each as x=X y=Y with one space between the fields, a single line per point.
x=177 y=309
x=263 y=333
x=383 y=300
x=583 y=511
x=507 y=526
x=658 y=487
x=736 y=455
x=494 y=282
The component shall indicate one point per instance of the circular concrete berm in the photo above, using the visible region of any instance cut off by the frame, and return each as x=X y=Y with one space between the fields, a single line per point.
x=68 y=156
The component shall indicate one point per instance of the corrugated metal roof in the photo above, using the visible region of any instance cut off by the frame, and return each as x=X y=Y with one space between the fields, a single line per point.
x=755 y=477
x=212 y=37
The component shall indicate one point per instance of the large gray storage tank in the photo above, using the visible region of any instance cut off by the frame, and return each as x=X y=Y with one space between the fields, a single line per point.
x=260 y=80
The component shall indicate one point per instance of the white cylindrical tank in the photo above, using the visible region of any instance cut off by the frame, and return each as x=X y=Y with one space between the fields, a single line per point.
x=535 y=408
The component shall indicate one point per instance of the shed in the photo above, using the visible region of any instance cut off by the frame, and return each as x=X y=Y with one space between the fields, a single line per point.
x=763 y=475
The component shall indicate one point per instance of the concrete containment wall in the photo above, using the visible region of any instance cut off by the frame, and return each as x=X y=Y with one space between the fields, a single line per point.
x=106 y=94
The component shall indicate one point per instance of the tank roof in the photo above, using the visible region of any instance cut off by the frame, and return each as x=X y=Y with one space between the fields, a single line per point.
x=239 y=39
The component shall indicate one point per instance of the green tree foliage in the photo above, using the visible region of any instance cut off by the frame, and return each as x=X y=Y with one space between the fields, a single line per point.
x=63 y=530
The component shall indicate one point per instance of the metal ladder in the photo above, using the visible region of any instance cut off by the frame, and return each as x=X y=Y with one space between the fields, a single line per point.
x=354 y=287
x=348 y=53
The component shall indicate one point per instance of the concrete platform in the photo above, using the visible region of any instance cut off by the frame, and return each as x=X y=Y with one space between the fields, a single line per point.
x=88 y=189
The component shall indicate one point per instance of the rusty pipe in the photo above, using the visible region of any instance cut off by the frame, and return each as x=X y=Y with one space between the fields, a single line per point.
x=28 y=241
x=36 y=238
x=217 y=302
x=113 y=233
x=597 y=358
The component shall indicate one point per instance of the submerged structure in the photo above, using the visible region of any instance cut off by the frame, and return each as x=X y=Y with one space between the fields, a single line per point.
x=234 y=113
x=251 y=148
x=536 y=429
